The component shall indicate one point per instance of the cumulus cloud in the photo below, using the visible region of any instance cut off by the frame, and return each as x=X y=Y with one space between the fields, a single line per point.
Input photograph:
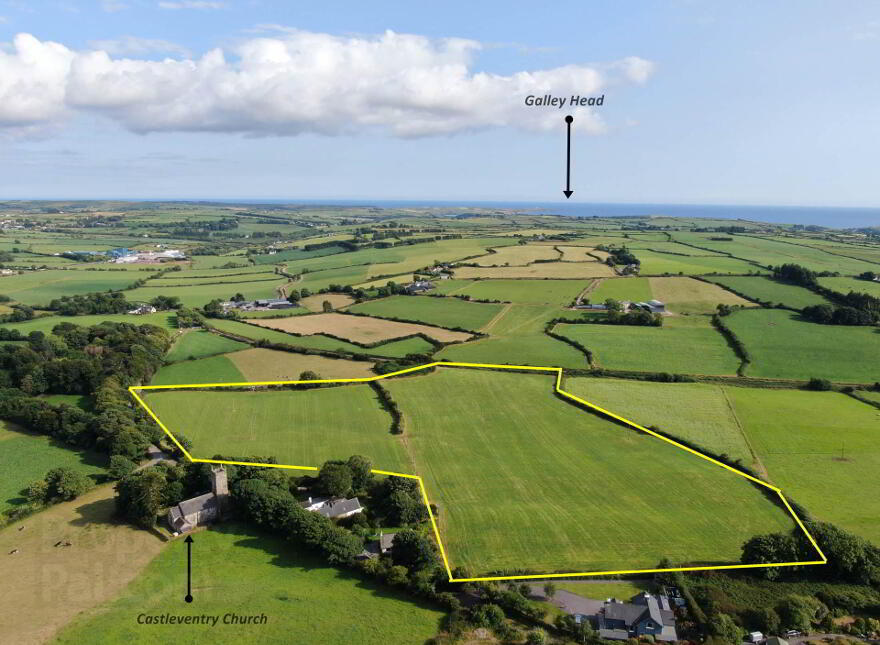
x=296 y=82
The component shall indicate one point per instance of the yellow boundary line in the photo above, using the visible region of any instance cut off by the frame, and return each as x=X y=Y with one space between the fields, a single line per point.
x=558 y=388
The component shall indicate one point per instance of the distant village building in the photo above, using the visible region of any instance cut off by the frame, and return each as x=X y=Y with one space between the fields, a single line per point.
x=142 y=309
x=148 y=257
x=334 y=508
x=419 y=286
x=259 y=305
x=203 y=509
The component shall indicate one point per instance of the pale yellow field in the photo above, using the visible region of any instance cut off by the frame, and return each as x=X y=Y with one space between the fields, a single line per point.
x=541 y=270
x=269 y=365
x=46 y=586
x=686 y=295
x=336 y=300
x=579 y=253
x=518 y=255
x=359 y=329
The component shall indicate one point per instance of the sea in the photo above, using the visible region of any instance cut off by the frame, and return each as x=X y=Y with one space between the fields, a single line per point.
x=827 y=216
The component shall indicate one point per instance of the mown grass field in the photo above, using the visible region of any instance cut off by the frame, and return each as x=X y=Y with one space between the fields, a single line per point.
x=517 y=338
x=199 y=344
x=689 y=296
x=529 y=292
x=782 y=345
x=580 y=253
x=270 y=365
x=316 y=302
x=525 y=481
x=678 y=350
x=394 y=349
x=821 y=448
x=46 y=587
x=519 y=255
x=600 y=590
x=41 y=287
x=768 y=290
x=697 y=412
x=845 y=285
x=540 y=271
x=445 y=312
x=359 y=329
x=300 y=428
x=654 y=263
x=27 y=456
x=214 y=369
x=243 y=571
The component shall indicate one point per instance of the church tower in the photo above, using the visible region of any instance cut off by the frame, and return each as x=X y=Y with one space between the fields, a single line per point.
x=220 y=488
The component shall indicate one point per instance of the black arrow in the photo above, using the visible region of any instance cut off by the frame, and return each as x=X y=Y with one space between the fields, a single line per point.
x=568 y=191
x=189 y=561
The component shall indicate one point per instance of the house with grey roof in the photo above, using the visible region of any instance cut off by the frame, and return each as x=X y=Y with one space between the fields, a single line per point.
x=419 y=286
x=643 y=615
x=334 y=508
x=386 y=542
x=201 y=510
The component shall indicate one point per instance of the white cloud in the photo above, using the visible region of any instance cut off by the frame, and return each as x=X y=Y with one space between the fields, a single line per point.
x=295 y=82
x=192 y=4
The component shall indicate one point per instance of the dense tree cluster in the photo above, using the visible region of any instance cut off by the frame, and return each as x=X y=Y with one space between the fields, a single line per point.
x=99 y=361
x=795 y=274
x=111 y=302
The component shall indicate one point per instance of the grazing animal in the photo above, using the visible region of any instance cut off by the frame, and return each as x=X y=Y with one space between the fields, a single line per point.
x=13 y=552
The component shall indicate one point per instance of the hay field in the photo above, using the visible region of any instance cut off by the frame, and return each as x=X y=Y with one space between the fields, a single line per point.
x=270 y=365
x=52 y=585
x=563 y=270
x=686 y=295
x=518 y=255
x=359 y=329
x=336 y=300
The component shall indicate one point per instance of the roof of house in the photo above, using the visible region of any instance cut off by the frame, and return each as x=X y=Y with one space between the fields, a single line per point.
x=614 y=634
x=656 y=303
x=625 y=611
x=386 y=540
x=196 y=504
x=335 y=508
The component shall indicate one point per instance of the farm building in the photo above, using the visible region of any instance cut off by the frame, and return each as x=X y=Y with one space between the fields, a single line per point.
x=386 y=542
x=203 y=509
x=654 y=306
x=419 y=286
x=259 y=305
x=334 y=508
x=140 y=310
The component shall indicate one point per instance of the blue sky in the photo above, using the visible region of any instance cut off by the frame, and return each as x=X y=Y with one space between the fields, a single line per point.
x=706 y=102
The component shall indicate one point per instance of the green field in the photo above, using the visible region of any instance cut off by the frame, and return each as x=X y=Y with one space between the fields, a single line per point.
x=821 y=448
x=245 y=572
x=214 y=369
x=394 y=349
x=445 y=312
x=525 y=481
x=767 y=290
x=600 y=590
x=697 y=412
x=26 y=457
x=783 y=346
x=632 y=289
x=529 y=292
x=199 y=295
x=199 y=344
x=41 y=287
x=845 y=285
x=300 y=428
x=773 y=252
x=45 y=324
x=654 y=263
x=688 y=349
x=517 y=338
